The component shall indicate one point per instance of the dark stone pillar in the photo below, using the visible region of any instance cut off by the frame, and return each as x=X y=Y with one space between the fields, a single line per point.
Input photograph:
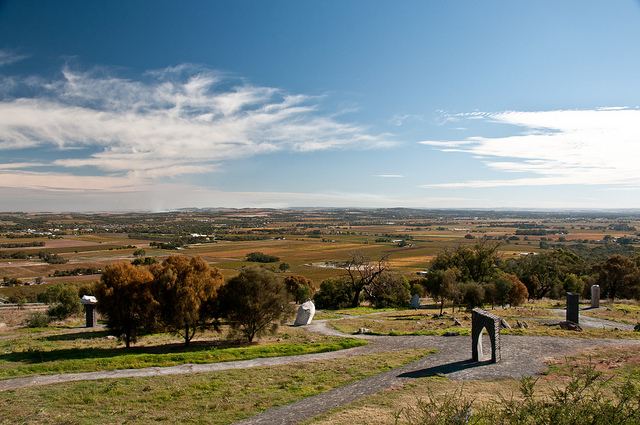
x=573 y=307
x=92 y=317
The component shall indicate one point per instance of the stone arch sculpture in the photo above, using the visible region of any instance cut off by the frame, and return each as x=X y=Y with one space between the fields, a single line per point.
x=480 y=320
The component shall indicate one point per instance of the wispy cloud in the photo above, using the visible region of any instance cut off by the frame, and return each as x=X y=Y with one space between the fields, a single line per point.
x=390 y=176
x=171 y=122
x=587 y=147
x=7 y=57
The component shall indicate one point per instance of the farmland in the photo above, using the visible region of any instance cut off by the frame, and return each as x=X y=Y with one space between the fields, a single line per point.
x=309 y=241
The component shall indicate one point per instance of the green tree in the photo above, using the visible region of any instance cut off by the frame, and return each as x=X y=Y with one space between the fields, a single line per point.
x=334 y=294
x=619 y=276
x=186 y=289
x=472 y=294
x=255 y=302
x=475 y=264
x=63 y=301
x=126 y=300
x=391 y=291
x=442 y=285
x=283 y=267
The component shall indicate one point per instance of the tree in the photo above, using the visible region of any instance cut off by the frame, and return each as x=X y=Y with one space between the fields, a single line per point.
x=518 y=293
x=443 y=285
x=475 y=264
x=259 y=257
x=472 y=294
x=334 y=294
x=391 y=291
x=283 y=267
x=619 y=275
x=63 y=301
x=299 y=287
x=255 y=302
x=544 y=274
x=186 y=289
x=363 y=274
x=125 y=299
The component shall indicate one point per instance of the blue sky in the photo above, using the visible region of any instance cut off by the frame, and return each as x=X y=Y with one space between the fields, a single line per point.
x=155 y=105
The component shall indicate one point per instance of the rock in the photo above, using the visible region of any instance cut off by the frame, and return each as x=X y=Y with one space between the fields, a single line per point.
x=504 y=324
x=570 y=326
x=415 y=302
x=451 y=333
x=110 y=338
x=525 y=324
x=436 y=316
x=636 y=328
x=456 y=322
x=305 y=314
x=364 y=331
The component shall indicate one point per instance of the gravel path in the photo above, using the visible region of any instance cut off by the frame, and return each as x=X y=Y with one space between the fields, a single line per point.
x=521 y=356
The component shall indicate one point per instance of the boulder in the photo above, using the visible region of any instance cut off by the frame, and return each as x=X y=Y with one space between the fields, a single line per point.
x=504 y=324
x=305 y=314
x=570 y=326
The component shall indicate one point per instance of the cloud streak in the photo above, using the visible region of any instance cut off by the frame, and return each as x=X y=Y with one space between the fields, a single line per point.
x=577 y=147
x=171 y=122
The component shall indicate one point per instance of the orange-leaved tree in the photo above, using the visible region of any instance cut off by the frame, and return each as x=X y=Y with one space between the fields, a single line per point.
x=125 y=298
x=187 y=290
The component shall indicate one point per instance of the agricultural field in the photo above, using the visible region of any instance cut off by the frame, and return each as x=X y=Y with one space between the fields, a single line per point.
x=346 y=345
x=309 y=241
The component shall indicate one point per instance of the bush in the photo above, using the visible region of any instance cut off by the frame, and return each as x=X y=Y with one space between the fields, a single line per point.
x=333 y=294
x=63 y=301
x=585 y=399
x=38 y=320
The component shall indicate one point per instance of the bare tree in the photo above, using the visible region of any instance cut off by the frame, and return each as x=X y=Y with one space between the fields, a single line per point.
x=363 y=274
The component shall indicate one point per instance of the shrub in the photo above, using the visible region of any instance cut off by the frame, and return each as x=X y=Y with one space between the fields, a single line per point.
x=333 y=294
x=585 y=399
x=38 y=320
x=63 y=301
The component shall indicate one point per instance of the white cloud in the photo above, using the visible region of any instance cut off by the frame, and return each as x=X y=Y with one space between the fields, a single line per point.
x=390 y=176
x=7 y=57
x=588 y=147
x=182 y=120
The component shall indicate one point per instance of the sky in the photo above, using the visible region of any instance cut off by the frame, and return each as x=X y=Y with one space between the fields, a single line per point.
x=113 y=105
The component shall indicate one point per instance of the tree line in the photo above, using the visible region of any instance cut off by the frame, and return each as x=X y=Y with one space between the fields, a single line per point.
x=184 y=295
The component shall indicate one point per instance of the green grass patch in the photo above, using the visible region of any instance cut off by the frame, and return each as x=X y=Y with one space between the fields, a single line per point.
x=19 y=360
x=214 y=398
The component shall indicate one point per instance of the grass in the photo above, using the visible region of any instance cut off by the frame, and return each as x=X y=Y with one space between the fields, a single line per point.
x=616 y=364
x=423 y=322
x=214 y=398
x=90 y=351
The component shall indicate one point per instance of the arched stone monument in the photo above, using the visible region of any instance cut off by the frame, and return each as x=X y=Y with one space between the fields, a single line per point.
x=481 y=320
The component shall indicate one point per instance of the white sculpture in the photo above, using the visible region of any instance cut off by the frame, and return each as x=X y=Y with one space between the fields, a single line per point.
x=305 y=314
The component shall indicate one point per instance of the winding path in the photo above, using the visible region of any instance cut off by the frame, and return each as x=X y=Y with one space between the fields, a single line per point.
x=521 y=356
